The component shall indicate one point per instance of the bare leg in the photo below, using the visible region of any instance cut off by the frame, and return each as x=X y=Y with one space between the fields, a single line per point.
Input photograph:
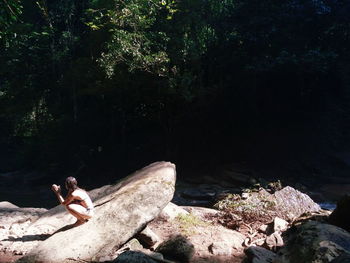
x=77 y=211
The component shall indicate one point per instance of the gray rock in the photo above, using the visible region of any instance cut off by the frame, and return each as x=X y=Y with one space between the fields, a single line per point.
x=314 y=242
x=171 y=211
x=341 y=215
x=121 y=211
x=263 y=228
x=274 y=240
x=177 y=248
x=14 y=222
x=148 y=237
x=232 y=238
x=133 y=245
x=57 y=217
x=11 y=214
x=287 y=204
x=245 y=195
x=293 y=203
x=279 y=225
x=133 y=257
x=6 y=204
x=259 y=255
x=220 y=249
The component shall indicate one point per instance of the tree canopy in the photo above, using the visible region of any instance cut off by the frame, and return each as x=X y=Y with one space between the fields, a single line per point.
x=141 y=80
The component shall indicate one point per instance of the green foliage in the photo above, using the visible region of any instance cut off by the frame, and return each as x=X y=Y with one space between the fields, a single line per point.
x=255 y=207
x=134 y=40
x=136 y=51
x=129 y=75
x=10 y=10
x=188 y=224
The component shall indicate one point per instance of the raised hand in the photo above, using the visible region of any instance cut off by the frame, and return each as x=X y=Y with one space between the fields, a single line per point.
x=56 y=188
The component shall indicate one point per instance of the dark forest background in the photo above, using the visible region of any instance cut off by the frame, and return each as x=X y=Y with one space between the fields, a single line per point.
x=100 y=88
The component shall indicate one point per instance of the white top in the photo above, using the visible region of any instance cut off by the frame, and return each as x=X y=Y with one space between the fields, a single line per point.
x=82 y=195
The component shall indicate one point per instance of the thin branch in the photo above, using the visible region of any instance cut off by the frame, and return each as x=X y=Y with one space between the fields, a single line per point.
x=9 y=7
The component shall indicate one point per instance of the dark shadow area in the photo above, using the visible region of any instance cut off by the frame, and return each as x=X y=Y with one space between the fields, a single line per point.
x=178 y=248
x=27 y=238
x=62 y=229
x=244 y=93
x=39 y=237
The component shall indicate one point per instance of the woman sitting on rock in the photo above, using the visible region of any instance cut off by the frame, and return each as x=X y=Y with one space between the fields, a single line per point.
x=77 y=201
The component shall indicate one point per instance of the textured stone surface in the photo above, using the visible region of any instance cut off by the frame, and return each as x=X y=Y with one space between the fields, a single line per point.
x=279 y=225
x=121 y=211
x=220 y=249
x=314 y=242
x=148 y=237
x=232 y=238
x=177 y=248
x=262 y=206
x=171 y=211
x=274 y=240
x=5 y=204
x=293 y=203
x=133 y=257
x=131 y=245
x=201 y=233
x=13 y=224
x=259 y=255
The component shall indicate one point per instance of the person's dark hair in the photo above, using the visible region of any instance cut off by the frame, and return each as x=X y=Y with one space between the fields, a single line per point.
x=71 y=183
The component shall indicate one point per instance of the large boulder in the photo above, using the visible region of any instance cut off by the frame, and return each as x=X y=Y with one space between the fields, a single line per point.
x=57 y=218
x=7 y=205
x=121 y=211
x=11 y=214
x=292 y=203
x=24 y=228
x=341 y=215
x=313 y=242
x=262 y=206
x=198 y=232
x=13 y=224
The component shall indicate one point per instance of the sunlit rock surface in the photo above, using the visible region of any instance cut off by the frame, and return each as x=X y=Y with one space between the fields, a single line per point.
x=121 y=211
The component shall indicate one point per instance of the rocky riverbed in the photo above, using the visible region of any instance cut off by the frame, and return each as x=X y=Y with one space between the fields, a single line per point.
x=136 y=222
x=32 y=189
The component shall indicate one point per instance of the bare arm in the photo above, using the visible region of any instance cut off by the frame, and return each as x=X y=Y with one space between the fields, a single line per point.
x=68 y=200
x=57 y=190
